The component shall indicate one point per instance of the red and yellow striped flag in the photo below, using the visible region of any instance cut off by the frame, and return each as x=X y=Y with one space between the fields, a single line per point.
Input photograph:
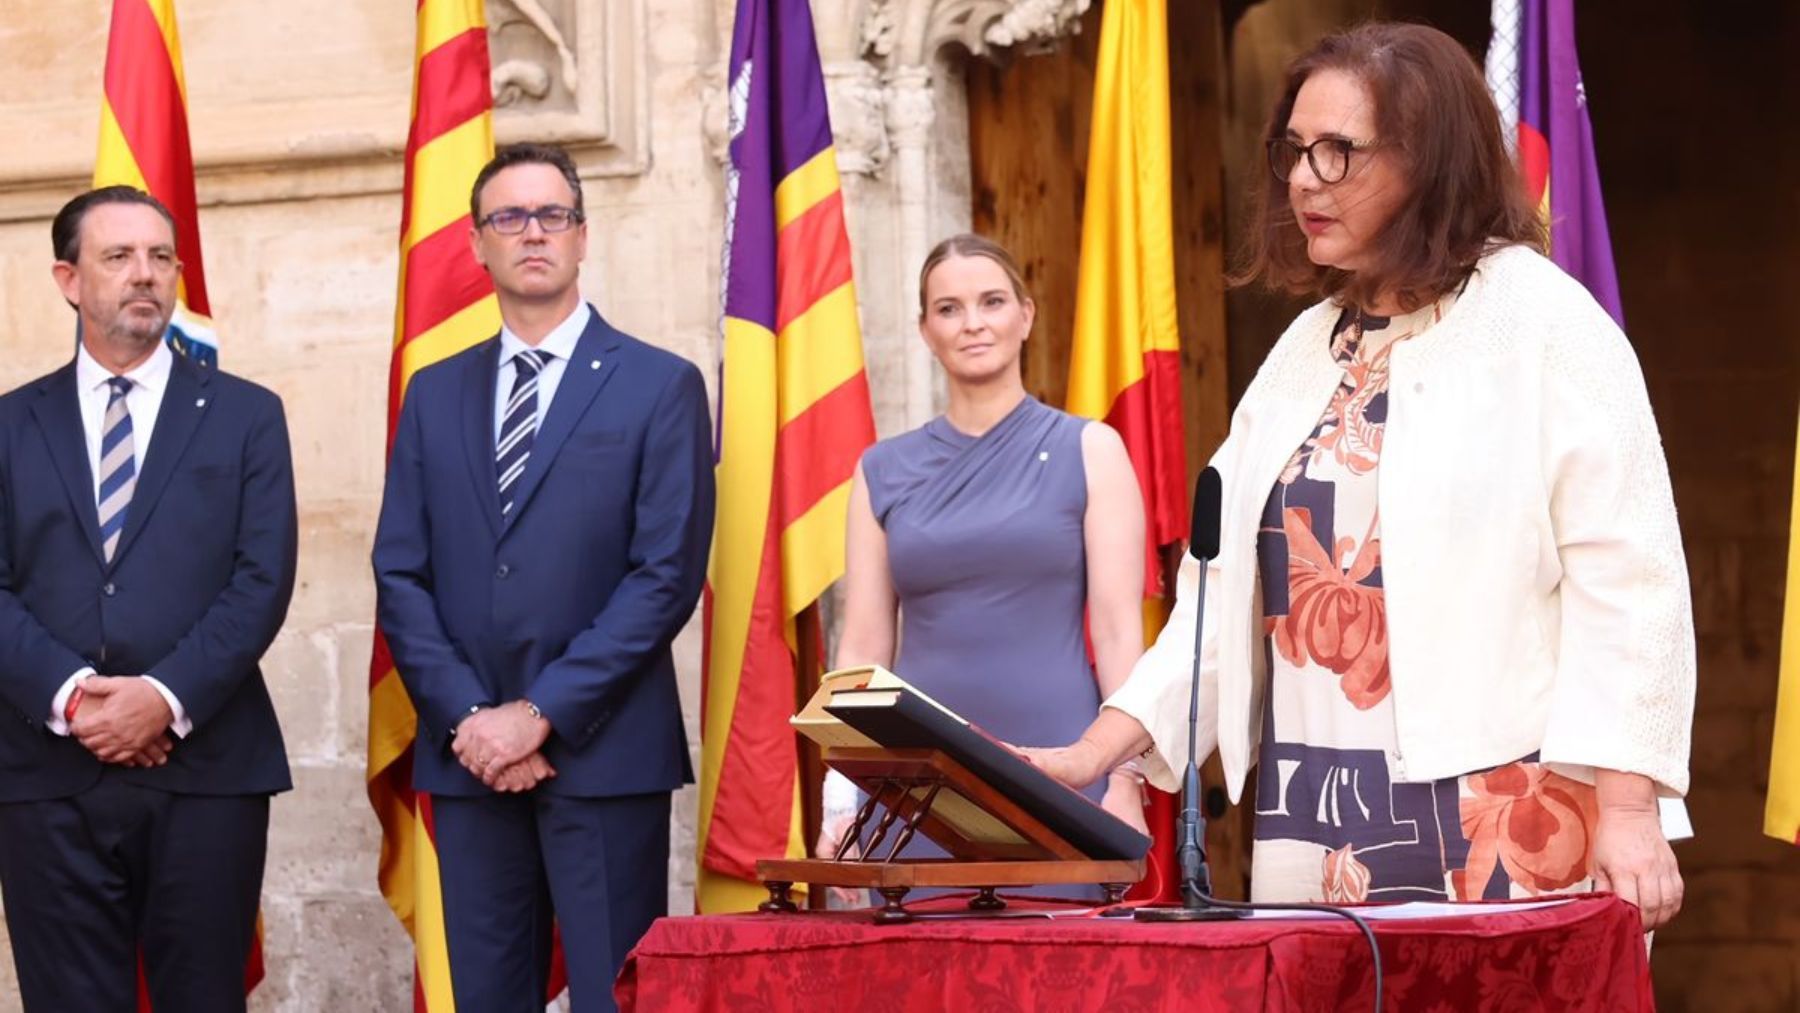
x=795 y=418
x=1125 y=367
x=144 y=144
x=1782 y=818
x=445 y=304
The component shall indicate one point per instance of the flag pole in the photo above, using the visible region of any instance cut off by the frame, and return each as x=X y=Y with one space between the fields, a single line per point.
x=809 y=664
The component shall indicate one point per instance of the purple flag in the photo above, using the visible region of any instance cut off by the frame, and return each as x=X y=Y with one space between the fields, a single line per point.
x=1556 y=138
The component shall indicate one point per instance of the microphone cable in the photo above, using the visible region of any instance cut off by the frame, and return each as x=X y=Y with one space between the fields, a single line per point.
x=1342 y=912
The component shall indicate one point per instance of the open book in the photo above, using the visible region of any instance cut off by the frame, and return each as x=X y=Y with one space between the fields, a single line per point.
x=872 y=707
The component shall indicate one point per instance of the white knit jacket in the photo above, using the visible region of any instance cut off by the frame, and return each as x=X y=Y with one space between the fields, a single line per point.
x=1537 y=596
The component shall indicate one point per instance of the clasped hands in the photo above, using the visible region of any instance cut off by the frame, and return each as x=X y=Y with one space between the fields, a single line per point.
x=123 y=719
x=500 y=746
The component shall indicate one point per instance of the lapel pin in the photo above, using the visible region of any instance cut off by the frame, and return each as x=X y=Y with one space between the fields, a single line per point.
x=594 y=365
x=200 y=403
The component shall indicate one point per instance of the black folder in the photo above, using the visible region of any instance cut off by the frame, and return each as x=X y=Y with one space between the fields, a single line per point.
x=900 y=719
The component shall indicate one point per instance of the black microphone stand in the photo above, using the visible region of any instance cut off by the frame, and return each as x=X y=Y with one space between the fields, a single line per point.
x=1196 y=882
x=1197 y=902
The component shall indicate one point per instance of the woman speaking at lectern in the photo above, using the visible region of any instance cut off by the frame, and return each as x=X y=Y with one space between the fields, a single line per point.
x=978 y=542
x=1449 y=625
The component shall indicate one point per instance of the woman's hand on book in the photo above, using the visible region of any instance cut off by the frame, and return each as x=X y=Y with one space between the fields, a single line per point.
x=1076 y=765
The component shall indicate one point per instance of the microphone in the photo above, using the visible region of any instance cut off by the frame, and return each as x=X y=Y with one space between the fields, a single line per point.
x=1190 y=852
x=1203 y=536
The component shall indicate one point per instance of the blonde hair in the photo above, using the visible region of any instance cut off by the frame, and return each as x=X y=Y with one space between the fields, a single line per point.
x=968 y=244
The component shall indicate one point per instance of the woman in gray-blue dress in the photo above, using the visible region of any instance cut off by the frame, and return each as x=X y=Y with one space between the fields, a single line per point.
x=980 y=542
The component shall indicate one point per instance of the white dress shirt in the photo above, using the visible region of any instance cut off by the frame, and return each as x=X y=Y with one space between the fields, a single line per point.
x=148 y=382
x=558 y=345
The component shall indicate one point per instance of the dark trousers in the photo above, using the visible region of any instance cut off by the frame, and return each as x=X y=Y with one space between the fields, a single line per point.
x=96 y=879
x=510 y=864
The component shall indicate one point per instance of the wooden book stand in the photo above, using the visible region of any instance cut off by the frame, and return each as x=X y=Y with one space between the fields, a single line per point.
x=992 y=841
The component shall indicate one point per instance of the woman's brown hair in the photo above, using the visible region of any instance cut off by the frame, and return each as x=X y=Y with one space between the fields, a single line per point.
x=968 y=244
x=1464 y=196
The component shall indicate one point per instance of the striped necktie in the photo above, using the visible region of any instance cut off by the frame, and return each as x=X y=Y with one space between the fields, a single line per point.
x=519 y=424
x=118 y=466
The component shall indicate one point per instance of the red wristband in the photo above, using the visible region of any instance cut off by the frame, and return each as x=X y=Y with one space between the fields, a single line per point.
x=74 y=704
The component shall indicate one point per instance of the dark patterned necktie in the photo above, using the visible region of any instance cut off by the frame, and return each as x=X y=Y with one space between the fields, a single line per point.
x=519 y=424
x=118 y=466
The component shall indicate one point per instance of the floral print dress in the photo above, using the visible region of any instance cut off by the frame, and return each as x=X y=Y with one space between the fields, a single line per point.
x=1333 y=821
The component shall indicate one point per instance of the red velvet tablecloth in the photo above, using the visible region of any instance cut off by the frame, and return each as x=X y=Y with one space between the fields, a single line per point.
x=1586 y=954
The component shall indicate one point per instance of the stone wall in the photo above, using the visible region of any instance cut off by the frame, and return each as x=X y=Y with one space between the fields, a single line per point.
x=301 y=257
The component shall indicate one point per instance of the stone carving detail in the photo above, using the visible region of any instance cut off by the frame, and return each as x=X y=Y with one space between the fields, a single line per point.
x=715 y=114
x=534 y=67
x=911 y=107
x=906 y=32
x=857 y=100
x=858 y=112
x=880 y=29
x=1031 y=24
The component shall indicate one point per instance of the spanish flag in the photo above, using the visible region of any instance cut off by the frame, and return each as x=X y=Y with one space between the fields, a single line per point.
x=445 y=304
x=1782 y=818
x=794 y=419
x=1126 y=362
x=144 y=144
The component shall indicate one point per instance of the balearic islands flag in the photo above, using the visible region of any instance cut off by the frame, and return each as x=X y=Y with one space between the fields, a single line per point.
x=1536 y=80
x=445 y=305
x=794 y=418
x=1126 y=362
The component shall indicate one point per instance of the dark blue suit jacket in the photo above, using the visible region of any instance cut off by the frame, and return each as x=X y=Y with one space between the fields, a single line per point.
x=194 y=594
x=573 y=599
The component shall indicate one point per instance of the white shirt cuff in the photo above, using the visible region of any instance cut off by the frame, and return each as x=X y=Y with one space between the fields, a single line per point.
x=840 y=796
x=181 y=726
x=1676 y=825
x=60 y=702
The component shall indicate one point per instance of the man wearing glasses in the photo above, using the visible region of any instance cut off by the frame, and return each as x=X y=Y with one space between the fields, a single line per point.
x=543 y=537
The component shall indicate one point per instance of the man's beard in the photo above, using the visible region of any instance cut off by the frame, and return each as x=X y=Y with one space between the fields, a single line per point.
x=137 y=331
x=127 y=326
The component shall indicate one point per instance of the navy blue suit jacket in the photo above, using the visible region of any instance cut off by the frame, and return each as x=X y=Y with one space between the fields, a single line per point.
x=195 y=592
x=571 y=601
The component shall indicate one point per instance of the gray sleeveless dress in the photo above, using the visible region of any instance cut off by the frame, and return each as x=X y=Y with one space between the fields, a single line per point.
x=987 y=556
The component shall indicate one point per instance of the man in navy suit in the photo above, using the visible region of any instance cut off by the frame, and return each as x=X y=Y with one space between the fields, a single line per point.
x=543 y=537
x=147 y=541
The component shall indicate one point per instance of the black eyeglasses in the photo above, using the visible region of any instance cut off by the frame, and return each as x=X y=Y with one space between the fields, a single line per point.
x=1328 y=156
x=550 y=218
